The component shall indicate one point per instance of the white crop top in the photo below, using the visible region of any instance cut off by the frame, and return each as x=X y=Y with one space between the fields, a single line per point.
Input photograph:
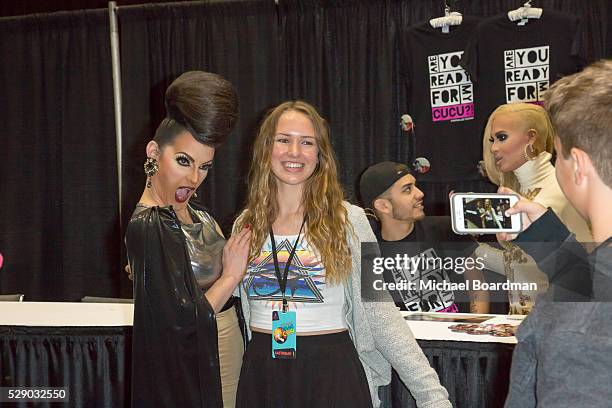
x=318 y=305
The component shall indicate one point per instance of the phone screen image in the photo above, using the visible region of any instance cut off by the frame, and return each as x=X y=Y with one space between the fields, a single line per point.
x=486 y=213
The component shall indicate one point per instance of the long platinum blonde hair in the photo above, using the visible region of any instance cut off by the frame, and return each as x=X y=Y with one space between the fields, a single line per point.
x=532 y=117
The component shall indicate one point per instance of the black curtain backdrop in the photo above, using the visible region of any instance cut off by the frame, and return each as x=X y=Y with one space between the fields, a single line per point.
x=59 y=232
x=159 y=42
x=342 y=57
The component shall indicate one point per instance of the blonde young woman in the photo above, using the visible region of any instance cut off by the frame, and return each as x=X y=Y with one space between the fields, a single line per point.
x=517 y=148
x=345 y=346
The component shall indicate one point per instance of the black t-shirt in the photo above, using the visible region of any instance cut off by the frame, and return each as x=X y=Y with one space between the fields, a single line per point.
x=431 y=237
x=441 y=99
x=509 y=62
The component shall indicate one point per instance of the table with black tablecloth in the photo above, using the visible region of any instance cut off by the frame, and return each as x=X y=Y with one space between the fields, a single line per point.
x=87 y=349
x=475 y=374
x=475 y=369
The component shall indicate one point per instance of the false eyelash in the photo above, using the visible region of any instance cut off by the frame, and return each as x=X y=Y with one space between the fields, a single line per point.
x=182 y=156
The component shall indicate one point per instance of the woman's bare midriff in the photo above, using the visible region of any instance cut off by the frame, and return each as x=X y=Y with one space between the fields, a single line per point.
x=310 y=333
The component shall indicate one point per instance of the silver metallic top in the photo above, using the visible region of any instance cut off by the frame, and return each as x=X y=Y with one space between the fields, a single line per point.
x=204 y=244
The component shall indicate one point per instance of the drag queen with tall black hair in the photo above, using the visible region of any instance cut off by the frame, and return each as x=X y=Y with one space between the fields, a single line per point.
x=306 y=262
x=187 y=345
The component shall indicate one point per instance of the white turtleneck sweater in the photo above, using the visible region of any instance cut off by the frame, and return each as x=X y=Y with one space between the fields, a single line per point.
x=538 y=183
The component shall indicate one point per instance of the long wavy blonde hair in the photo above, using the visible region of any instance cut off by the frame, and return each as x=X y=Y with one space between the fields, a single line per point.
x=533 y=117
x=326 y=217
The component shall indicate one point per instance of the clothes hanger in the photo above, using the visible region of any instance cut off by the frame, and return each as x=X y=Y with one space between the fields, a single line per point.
x=524 y=13
x=449 y=19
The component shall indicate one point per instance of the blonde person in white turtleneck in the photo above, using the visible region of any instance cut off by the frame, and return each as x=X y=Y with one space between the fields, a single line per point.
x=517 y=148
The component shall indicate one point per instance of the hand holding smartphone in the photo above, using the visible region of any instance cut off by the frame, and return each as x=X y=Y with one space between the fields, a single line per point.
x=475 y=213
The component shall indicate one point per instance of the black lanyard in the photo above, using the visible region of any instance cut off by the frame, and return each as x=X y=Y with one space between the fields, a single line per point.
x=282 y=280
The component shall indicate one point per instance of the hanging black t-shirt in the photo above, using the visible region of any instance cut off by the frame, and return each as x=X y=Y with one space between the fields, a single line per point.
x=431 y=237
x=509 y=62
x=441 y=99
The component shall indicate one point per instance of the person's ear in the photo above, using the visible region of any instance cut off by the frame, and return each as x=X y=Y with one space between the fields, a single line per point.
x=583 y=166
x=382 y=205
x=536 y=145
x=532 y=135
x=153 y=150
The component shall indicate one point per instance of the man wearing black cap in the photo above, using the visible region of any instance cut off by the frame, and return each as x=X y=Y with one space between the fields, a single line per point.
x=389 y=190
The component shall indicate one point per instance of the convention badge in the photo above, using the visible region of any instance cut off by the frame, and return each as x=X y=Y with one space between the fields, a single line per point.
x=284 y=337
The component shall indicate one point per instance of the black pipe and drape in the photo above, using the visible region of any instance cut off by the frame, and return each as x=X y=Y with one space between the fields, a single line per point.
x=59 y=226
x=60 y=232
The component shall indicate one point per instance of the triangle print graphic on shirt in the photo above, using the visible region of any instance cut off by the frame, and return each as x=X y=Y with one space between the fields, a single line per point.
x=305 y=280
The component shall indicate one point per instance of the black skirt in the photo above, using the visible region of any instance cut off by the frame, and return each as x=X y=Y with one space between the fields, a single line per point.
x=326 y=373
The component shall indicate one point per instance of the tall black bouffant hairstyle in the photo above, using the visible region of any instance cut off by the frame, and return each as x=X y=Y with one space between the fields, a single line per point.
x=204 y=104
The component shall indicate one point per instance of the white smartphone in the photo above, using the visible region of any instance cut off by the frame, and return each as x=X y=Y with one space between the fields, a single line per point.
x=474 y=213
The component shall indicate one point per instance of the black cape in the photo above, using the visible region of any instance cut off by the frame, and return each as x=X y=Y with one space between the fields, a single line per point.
x=175 y=359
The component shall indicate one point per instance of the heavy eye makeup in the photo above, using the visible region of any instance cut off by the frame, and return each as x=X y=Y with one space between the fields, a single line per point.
x=186 y=161
x=501 y=136
x=183 y=160
x=206 y=166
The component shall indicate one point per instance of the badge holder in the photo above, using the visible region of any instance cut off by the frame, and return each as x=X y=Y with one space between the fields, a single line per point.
x=284 y=338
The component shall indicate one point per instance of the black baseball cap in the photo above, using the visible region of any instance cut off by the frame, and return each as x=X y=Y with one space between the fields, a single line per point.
x=378 y=178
